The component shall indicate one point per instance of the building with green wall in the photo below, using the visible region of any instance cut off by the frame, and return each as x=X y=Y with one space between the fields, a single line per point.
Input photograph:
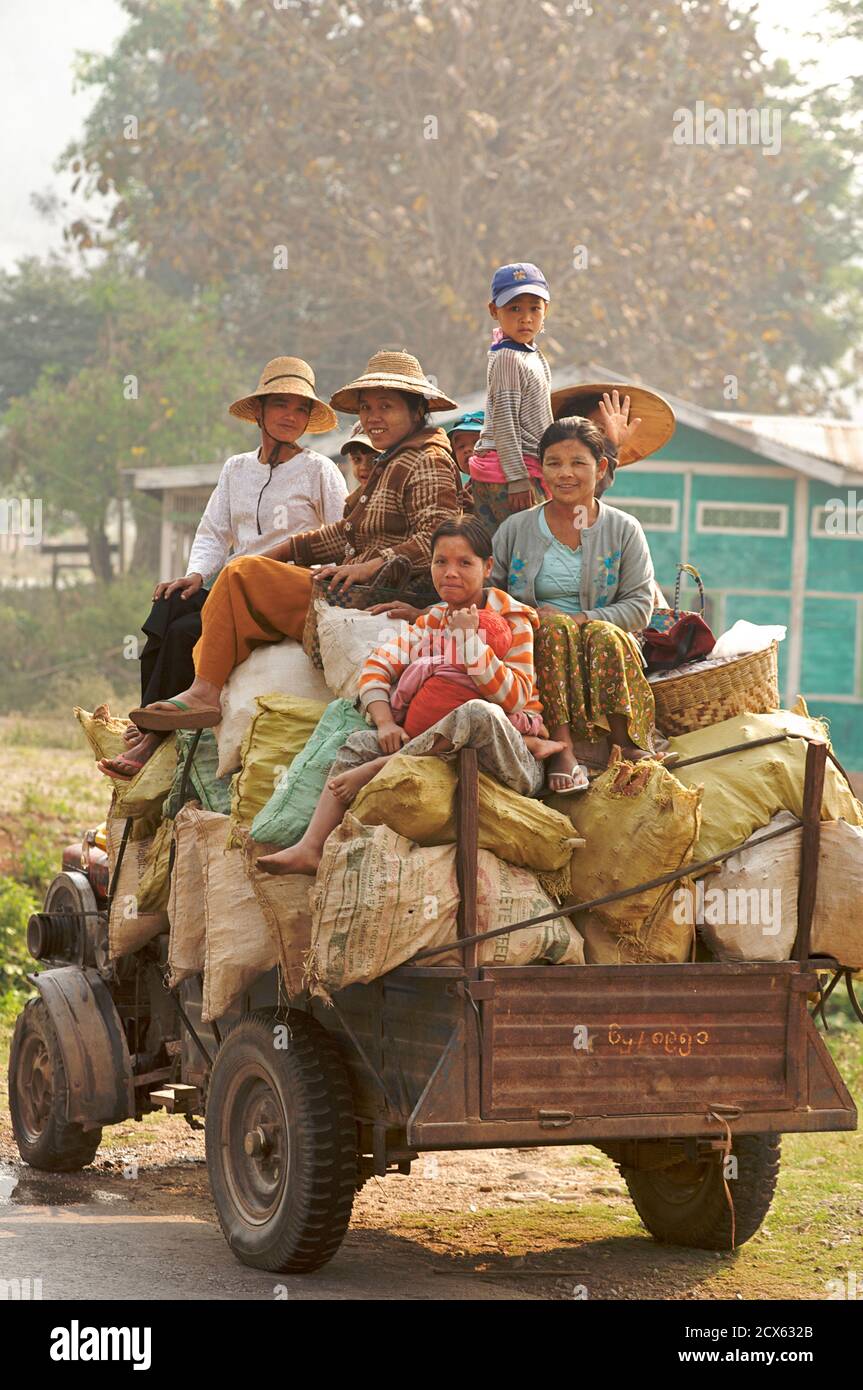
x=766 y=508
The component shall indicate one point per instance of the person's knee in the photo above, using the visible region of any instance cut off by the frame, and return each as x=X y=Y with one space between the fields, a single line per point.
x=601 y=636
x=484 y=712
x=554 y=622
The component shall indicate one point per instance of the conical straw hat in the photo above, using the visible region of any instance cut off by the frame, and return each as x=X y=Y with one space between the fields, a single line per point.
x=287 y=376
x=657 y=417
x=390 y=370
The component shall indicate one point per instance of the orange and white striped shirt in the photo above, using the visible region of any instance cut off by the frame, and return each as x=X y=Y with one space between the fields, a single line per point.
x=508 y=681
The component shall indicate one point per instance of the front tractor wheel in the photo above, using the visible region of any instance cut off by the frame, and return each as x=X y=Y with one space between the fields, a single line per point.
x=281 y=1143
x=37 y=1098
x=687 y=1203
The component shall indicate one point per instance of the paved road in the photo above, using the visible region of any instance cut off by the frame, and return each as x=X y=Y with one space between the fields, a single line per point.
x=97 y=1250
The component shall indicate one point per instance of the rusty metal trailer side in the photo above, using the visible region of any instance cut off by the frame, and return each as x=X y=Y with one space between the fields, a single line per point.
x=506 y=1055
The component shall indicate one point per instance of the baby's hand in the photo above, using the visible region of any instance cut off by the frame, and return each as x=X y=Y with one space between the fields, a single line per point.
x=464 y=620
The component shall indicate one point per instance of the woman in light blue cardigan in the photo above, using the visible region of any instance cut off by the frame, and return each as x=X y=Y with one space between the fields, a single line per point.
x=586 y=568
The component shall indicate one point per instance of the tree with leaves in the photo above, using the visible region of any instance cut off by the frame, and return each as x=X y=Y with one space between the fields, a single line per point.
x=151 y=389
x=350 y=175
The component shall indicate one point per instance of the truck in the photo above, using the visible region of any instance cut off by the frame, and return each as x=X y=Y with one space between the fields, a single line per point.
x=685 y=1075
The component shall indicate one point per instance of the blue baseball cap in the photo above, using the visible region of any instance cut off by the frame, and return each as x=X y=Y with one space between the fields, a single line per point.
x=519 y=278
x=471 y=423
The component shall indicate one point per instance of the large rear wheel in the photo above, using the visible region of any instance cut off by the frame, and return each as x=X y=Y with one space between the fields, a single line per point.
x=687 y=1203
x=37 y=1098
x=281 y=1142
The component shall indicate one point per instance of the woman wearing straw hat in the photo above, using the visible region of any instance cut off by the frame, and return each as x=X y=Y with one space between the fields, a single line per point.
x=386 y=537
x=261 y=496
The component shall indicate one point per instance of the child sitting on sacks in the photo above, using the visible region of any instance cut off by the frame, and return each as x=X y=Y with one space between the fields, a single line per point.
x=477 y=700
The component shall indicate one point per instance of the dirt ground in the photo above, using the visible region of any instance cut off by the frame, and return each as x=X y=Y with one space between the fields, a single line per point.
x=554 y=1223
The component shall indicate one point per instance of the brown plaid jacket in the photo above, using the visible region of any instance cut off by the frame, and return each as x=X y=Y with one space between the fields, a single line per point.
x=395 y=515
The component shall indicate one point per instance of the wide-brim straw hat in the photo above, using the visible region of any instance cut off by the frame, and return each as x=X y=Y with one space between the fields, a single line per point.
x=287 y=376
x=389 y=370
x=358 y=437
x=657 y=417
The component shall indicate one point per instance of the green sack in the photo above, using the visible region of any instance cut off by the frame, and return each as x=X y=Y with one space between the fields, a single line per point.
x=213 y=792
x=286 y=815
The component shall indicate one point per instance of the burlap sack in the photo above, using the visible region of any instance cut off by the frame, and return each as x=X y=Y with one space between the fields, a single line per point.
x=837 y=923
x=507 y=894
x=639 y=822
x=284 y=902
x=743 y=791
x=238 y=943
x=135 y=916
x=662 y=940
x=187 y=893
x=379 y=898
x=415 y=797
x=143 y=794
x=747 y=910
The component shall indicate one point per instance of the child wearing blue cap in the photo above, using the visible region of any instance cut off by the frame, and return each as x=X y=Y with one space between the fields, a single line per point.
x=505 y=471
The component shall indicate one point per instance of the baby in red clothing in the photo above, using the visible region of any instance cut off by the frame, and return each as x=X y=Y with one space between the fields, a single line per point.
x=434 y=685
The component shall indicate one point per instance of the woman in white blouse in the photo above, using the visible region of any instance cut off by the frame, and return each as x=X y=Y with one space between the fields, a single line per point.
x=262 y=497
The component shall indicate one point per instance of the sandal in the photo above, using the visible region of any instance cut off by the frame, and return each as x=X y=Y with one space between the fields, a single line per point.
x=578 y=781
x=111 y=767
x=164 y=721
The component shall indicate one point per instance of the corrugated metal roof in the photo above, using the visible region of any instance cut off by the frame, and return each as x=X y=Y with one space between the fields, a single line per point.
x=840 y=441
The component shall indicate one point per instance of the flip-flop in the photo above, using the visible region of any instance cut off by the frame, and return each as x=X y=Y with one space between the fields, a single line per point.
x=162 y=720
x=130 y=762
x=570 y=777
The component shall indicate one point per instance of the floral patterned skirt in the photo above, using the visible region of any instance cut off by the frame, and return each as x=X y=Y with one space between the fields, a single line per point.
x=491 y=501
x=585 y=673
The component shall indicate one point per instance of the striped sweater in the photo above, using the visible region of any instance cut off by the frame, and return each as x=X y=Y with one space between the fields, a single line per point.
x=517 y=410
x=508 y=681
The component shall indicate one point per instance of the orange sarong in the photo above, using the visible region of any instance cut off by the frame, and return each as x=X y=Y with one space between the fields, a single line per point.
x=253 y=601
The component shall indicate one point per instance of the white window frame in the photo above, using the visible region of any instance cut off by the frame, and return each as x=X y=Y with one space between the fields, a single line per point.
x=822 y=535
x=706 y=529
x=673 y=502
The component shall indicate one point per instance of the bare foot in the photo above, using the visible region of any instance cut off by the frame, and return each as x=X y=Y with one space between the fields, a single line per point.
x=133 y=734
x=297 y=859
x=345 y=785
x=543 y=748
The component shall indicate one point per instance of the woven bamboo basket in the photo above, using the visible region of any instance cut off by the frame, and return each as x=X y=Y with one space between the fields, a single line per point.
x=749 y=685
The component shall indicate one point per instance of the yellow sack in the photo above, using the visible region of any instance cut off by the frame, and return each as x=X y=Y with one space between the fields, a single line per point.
x=278 y=732
x=153 y=888
x=639 y=822
x=416 y=798
x=103 y=731
x=131 y=923
x=744 y=791
x=665 y=938
x=144 y=792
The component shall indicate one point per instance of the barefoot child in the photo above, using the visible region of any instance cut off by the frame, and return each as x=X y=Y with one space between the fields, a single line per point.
x=504 y=686
x=504 y=469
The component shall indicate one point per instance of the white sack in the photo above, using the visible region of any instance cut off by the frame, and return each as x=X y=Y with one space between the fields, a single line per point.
x=278 y=668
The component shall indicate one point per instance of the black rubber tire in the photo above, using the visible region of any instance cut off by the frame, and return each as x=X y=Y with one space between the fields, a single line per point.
x=288 y=1210
x=45 y=1138
x=688 y=1205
